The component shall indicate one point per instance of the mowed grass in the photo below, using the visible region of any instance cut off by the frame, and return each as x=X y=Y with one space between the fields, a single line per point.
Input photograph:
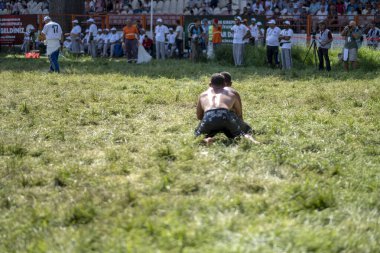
x=102 y=158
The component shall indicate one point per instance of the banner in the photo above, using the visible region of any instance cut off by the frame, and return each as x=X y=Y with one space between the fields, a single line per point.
x=225 y=21
x=13 y=28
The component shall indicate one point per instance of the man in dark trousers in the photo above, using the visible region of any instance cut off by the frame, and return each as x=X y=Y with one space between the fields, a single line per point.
x=325 y=39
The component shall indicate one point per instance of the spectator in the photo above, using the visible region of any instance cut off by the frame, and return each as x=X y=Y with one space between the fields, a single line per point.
x=160 y=33
x=352 y=35
x=148 y=44
x=179 y=38
x=314 y=7
x=340 y=7
x=272 y=41
x=131 y=36
x=373 y=36
x=115 y=40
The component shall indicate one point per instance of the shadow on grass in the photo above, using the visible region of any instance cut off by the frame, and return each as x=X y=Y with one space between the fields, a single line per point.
x=179 y=69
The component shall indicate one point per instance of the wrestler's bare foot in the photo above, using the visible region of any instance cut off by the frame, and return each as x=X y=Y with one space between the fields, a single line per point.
x=249 y=137
x=208 y=140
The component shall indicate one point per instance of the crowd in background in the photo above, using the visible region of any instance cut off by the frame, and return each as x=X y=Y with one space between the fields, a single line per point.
x=269 y=8
x=21 y=7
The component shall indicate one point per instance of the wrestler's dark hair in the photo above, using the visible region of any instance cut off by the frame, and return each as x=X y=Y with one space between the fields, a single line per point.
x=227 y=76
x=217 y=80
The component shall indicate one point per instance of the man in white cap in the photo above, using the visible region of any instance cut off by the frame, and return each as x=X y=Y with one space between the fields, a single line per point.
x=106 y=42
x=286 y=46
x=240 y=32
x=86 y=42
x=93 y=32
x=272 y=42
x=171 y=41
x=115 y=39
x=160 y=34
x=75 y=37
x=52 y=33
x=261 y=33
x=255 y=32
x=99 y=40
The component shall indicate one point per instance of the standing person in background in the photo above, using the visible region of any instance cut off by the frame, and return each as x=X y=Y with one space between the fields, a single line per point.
x=286 y=46
x=196 y=35
x=216 y=33
x=160 y=35
x=179 y=39
x=272 y=41
x=255 y=32
x=75 y=38
x=261 y=40
x=373 y=36
x=52 y=33
x=240 y=33
x=131 y=36
x=205 y=27
x=325 y=39
x=350 y=51
x=93 y=32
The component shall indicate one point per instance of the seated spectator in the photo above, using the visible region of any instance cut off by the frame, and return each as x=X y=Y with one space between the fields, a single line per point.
x=368 y=10
x=351 y=13
x=148 y=44
x=340 y=7
x=314 y=7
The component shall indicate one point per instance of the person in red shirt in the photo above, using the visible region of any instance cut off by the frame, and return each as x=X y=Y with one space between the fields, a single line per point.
x=148 y=44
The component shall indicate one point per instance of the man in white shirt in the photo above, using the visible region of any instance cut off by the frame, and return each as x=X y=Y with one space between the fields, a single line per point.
x=286 y=46
x=373 y=36
x=255 y=32
x=99 y=40
x=75 y=37
x=93 y=32
x=106 y=41
x=272 y=41
x=171 y=41
x=52 y=32
x=240 y=32
x=160 y=35
x=115 y=39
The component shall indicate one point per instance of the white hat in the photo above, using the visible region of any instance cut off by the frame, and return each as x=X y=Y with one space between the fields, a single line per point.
x=238 y=18
x=272 y=21
x=68 y=38
x=253 y=19
x=87 y=31
x=170 y=29
x=113 y=29
x=106 y=30
x=100 y=30
x=90 y=20
x=287 y=22
x=75 y=21
x=259 y=23
x=46 y=18
x=159 y=20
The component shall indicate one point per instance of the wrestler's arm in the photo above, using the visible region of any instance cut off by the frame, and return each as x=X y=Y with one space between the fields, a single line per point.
x=240 y=103
x=237 y=107
x=200 y=111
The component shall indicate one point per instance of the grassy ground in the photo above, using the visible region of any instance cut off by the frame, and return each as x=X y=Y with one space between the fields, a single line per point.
x=102 y=158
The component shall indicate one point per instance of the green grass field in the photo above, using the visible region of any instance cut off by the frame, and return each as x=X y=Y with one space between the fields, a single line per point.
x=102 y=158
